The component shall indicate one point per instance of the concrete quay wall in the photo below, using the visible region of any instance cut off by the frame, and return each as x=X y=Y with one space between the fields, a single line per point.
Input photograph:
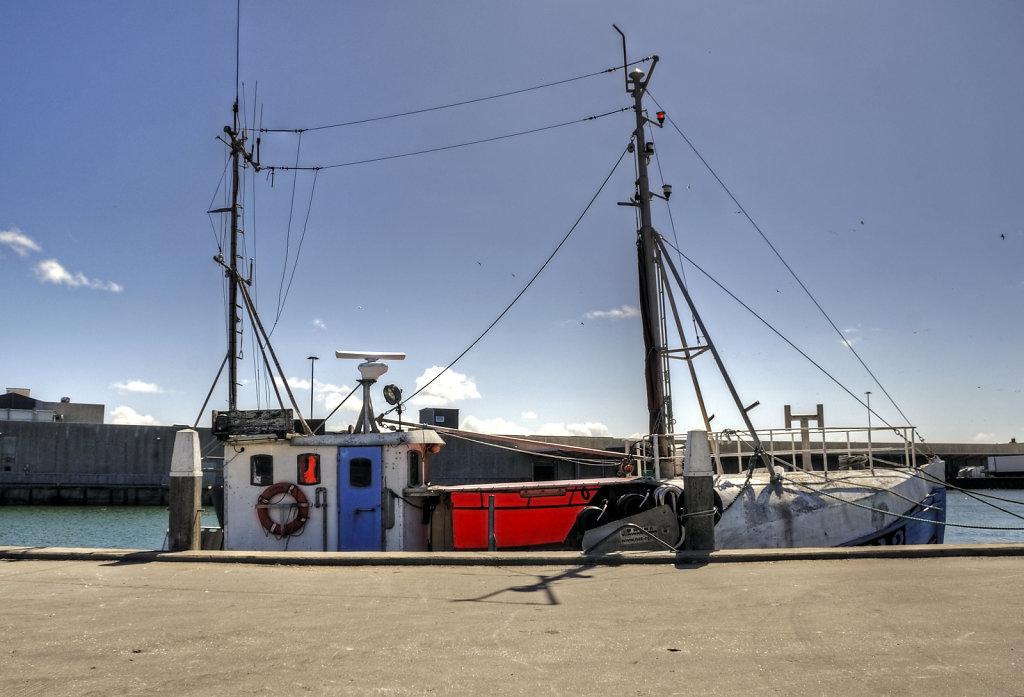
x=84 y=463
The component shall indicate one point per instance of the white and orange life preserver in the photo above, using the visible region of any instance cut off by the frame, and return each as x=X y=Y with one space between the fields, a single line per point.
x=263 y=505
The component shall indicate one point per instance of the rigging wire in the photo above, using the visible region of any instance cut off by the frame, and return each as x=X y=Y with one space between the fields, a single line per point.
x=288 y=238
x=238 y=42
x=298 y=251
x=668 y=206
x=768 y=324
x=218 y=240
x=826 y=494
x=521 y=292
x=449 y=106
x=788 y=268
x=285 y=168
x=534 y=453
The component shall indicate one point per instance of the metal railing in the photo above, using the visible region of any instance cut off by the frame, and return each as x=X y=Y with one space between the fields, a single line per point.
x=812 y=448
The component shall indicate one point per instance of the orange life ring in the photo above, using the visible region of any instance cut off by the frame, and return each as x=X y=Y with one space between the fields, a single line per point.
x=294 y=525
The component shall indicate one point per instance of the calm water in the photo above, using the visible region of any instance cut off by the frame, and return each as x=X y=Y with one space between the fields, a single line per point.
x=145 y=527
x=964 y=510
x=112 y=527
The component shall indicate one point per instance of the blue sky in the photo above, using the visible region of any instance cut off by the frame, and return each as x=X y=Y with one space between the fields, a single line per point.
x=876 y=144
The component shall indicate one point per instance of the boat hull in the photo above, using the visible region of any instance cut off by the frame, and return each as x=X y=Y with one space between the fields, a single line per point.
x=852 y=508
x=888 y=506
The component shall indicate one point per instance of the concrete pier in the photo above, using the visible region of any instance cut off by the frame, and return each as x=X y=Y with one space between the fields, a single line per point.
x=803 y=622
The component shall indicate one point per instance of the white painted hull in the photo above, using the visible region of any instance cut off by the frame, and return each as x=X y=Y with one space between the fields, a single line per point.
x=848 y=507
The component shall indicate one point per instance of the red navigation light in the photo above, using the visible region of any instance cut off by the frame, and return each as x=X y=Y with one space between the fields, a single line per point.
x=661 y=118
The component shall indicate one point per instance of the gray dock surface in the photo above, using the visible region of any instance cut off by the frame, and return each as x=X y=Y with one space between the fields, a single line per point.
x=810 y=622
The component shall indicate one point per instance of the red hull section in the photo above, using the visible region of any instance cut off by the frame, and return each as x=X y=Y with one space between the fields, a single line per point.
x=528 y=516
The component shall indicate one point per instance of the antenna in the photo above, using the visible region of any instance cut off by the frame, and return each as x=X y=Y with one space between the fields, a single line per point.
x=371 y=355
x=370 y=370
x=625 y=72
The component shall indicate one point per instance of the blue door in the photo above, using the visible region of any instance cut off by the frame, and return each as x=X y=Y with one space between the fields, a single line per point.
x=359 y=500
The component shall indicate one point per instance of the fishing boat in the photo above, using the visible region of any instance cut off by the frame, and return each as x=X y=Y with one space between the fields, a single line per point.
x=368 y=489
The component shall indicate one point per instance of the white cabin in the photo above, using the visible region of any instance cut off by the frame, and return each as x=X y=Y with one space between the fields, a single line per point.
x=333 y=492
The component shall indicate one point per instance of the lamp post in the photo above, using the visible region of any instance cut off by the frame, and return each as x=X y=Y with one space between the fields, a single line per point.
x=312 y=363
x=871 y=457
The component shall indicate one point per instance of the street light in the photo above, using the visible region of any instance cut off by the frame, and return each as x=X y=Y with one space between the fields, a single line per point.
x=311 y=364
x=871 y=456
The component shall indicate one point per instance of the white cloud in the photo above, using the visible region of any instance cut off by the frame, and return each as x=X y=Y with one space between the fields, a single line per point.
x=589 y=429
x=128 y=416
x=528 y=415
x=493 y=426
x=51 y=271
x=450 y=387
x=294 y=383
x=500 y=426
x=624 y=312
x=331 y=395
x=21 y=243
x=319 y=323
x=853 y=336
x=984 y=438
x=137 y=386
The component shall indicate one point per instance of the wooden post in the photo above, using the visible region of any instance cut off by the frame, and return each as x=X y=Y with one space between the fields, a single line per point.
x=186 y=484
x=698 y=493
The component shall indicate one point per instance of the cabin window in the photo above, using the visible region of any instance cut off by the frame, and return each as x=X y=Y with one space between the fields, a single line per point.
x=261 y=470
x=543 y=472
x=308 y=468
x=360 y=472
x=414 y=468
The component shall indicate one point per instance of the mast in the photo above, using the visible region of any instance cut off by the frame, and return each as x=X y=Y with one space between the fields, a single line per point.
x=651 y=258
x=655 y=347
x=233 y=319
x=239 y=157
x=647 y=250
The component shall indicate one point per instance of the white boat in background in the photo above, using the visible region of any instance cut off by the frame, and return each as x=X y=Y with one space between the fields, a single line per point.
x=286 y=488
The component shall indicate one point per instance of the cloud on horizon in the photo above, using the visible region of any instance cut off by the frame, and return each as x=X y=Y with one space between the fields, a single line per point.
x=590 y=429
x=500 y=426
x=330 y=396
x=450 y=387
x=127 y=416
x=496 y=426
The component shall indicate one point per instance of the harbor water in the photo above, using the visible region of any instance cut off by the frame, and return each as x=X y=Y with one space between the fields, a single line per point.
x=145 y=527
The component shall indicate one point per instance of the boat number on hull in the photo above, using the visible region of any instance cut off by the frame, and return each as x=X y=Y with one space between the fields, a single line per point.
x=893 y=537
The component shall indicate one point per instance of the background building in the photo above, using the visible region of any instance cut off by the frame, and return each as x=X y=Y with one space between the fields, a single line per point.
x=19 y=405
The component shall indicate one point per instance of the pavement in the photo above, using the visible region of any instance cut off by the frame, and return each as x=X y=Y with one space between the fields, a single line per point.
x=934 y=620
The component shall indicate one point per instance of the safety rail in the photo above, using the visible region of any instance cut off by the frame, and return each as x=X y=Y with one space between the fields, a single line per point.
x=811 y=448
